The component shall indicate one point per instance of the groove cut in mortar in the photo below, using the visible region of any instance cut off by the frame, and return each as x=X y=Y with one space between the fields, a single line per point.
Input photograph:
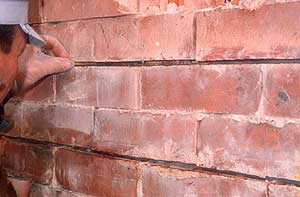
x=187 y=62
x=163 y=163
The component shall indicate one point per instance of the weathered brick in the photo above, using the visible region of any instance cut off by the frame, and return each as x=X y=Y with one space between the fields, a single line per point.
x=154 y=6
x=112 y=87
x=176 y=183
x=151 y=6
x=13 y=111
x=158 y=33
x=258 y=149
x=6 y=189
x=216 y=88
x=42 y=91
x=38 y=190
x=60 y=124
x=28 y=160
x=282 y=90
x=79 y=9
x=165 y=137
x=2 y=145
x=94 y=175
x=192 y=4
x=110 y=39
x=229 y=34
x=283 y=190
x=35 y=11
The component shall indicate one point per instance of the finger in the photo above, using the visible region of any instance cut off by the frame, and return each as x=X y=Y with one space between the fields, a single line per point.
x=56 y=65
x=54 y=45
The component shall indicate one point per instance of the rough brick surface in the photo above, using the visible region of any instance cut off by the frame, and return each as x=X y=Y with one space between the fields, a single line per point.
x=59 y=124
x=79 y=9
x=6 y=189
x=283 y=190
x=225 y=88
x=93 y=175
x=192 y=4
x=38 y=190
x=13 y=111
x=283 y=90
x=43 y=91
x=165 y=137
x=34 y=161
x=109 y=87
x=240 y=146
x=35 y=11
x=167 y=182
x=110 y=39
x=2 y=145
x=153 y=6
x=228 y=34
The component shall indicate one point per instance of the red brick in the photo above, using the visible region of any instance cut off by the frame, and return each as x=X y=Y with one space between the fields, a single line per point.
x=35 y=11
x=110 y=39
x=229 y=34
x=113 y=87
x=258 y=149
x=38 y=190
x=217 y=88
x=13 y=111
x=158 y=34
x=153 y=5
x=28 y=160
x=165 y=137
x=282 y=90
x=80 y=9
x=94 y=175
x=43 y=91
x=171 y=182
x=283 y=190
x=2 y=146
x=192 y=4
x=178 y=2
x=6 y=189
x=59 y=124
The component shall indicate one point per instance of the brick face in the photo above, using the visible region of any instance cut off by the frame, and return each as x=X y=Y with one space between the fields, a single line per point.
x=192 y=4
x=224 y=89
x=258 y=149
x=167 y=182
x=38 y=190
x=229 y=34
x=93 y=175
x=283 y=90
x=59 y=124
x=79 y=9
x=166 y=137
x=43 y=91
x=13 y=111
x=212 y=115
x=34 y=161
x=283 y=190
x=108 y=87
x=148 y=38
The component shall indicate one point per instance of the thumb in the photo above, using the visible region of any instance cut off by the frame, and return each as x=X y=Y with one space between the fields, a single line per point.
x=53 y=65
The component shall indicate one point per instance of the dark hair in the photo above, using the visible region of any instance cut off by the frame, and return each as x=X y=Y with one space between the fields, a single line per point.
x=7 y=33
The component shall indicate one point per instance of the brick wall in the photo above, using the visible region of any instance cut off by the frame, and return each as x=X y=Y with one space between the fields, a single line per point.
x=202 y=101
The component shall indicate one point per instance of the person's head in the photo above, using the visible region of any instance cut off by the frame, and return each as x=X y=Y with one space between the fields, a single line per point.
x=12 y=45
x=12 y=40
x=14 y=34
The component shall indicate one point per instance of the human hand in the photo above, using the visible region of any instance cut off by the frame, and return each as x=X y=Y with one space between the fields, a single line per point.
x=37 y=63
